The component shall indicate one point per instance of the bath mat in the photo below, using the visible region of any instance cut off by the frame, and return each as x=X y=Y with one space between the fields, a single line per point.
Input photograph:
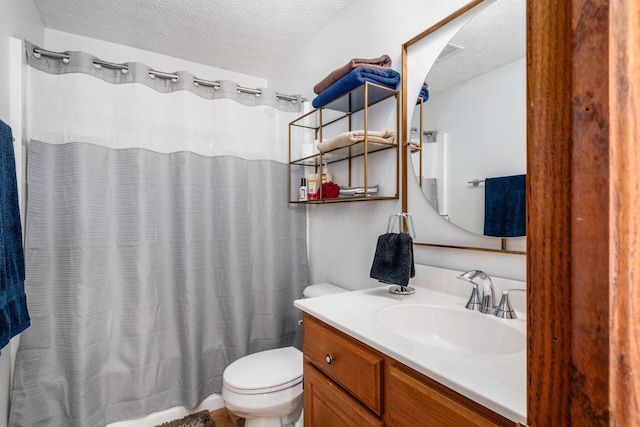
x=199 y=419
x=219 y=418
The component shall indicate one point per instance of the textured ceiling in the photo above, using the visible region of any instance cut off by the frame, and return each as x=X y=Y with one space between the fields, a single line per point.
x=246 y=36
x=257 y=36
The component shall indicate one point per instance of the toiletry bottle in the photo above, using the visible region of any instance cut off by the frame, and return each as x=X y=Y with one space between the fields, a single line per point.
x=312 y=191
x=302 y=191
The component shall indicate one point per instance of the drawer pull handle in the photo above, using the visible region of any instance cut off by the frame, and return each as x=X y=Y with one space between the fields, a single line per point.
x=329 y=358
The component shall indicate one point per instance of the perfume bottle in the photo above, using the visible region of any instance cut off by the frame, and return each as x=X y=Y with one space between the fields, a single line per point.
x=302 y=191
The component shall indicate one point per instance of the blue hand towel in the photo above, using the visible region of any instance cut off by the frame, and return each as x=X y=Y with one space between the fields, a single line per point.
x=14 y=317
x=505 y=210
x=356 y=77
x=393 y=260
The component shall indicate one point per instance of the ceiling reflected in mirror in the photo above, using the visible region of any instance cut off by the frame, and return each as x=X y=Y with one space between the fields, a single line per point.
x=495 y=37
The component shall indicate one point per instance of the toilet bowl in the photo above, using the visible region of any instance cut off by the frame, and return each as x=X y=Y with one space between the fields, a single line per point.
x=265 y=388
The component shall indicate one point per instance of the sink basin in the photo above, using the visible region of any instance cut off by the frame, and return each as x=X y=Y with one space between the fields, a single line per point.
x=459 y=330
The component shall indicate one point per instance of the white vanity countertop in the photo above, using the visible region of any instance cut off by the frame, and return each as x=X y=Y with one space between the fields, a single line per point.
x=495 y=381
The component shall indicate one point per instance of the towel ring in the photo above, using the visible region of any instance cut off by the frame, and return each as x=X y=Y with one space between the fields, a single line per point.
x=401 y=289
x=408 y=219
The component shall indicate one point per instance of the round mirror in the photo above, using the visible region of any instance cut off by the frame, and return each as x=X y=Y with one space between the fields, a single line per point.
x=468 y=129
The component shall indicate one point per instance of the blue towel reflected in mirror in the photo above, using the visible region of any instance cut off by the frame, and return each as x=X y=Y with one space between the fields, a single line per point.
x=505 y=209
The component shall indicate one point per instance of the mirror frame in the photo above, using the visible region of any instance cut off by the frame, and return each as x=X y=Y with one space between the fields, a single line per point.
x=405 y=127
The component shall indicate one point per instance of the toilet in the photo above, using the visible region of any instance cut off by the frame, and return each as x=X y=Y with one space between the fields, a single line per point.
x=265 y=388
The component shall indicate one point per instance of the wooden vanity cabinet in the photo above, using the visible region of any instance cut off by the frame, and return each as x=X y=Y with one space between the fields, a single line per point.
x=327 y=404
x=348 y=383
x=415 y=400
x=359 y=370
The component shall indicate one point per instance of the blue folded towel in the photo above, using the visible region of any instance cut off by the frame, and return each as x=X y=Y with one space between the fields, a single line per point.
x=386 y=77
x=424 y=93
x=393 y=260
x=14 y=317
x=505 y=209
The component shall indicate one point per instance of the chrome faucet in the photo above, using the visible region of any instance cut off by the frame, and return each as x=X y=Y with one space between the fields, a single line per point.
x=486 y=302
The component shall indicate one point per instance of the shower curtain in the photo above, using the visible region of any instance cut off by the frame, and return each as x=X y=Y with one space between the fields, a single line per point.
x=160 y=246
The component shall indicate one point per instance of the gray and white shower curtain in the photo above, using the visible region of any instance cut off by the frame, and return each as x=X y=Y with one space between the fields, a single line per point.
x=160 y=246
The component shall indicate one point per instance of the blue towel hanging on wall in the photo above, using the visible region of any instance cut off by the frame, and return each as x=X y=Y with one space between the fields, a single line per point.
x=505 y=209
x=14 y=317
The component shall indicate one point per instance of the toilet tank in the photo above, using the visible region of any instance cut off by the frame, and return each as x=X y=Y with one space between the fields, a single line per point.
x=320 y=289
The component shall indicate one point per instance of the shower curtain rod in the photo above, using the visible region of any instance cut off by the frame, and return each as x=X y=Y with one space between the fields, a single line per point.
x=65 y=57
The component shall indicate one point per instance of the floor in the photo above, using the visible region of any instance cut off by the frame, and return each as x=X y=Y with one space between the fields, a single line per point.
x=224 y=418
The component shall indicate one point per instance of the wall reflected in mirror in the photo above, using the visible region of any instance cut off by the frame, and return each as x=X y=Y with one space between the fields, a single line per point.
x=468 y=132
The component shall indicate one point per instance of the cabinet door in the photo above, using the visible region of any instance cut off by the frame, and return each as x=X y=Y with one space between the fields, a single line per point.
x=414 y=400
x=327 y=405
x=357 y=369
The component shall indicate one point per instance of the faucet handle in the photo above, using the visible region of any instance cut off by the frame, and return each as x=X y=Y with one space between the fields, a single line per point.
x=474 y=300
x=504 y=310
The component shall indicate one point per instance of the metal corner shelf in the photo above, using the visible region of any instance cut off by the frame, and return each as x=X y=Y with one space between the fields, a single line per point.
x=366 y=95
x=343 y=153
x=358 y=100
x=343 y=200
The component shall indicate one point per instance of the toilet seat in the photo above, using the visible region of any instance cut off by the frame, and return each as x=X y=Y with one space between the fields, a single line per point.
x=264 y=372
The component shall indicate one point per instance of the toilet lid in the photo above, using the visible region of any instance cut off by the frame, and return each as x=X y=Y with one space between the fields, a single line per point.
x=265 y=371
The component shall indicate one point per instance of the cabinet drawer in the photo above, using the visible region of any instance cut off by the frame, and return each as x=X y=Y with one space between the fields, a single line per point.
x=416 y=400
x=326 y=404
x=356 y=369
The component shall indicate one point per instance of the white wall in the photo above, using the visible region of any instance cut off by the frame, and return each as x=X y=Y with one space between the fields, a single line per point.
x=20 y=19
x=343 y=236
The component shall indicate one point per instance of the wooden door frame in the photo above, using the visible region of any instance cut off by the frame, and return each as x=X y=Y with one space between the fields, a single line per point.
x=583 y=231
x=624 y=101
